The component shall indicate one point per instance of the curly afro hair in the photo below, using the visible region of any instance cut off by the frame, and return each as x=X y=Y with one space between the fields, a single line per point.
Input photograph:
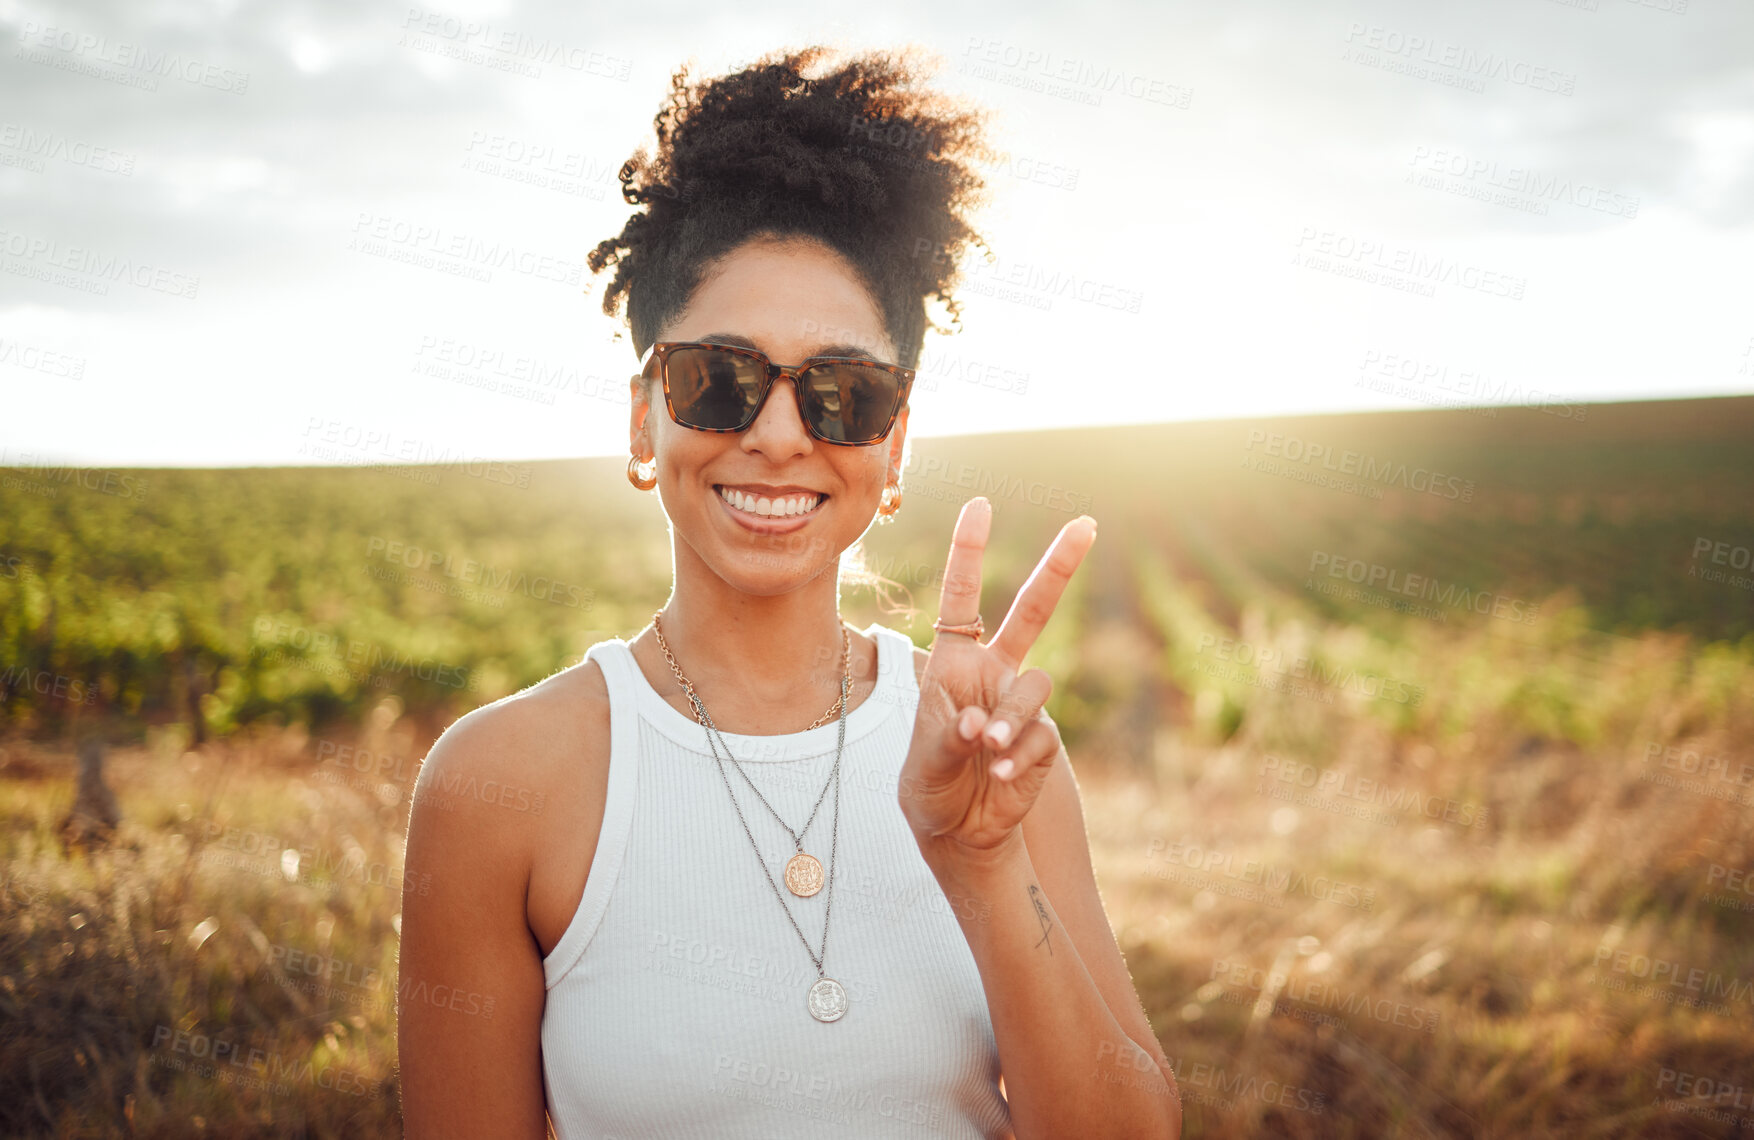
x=857 y=157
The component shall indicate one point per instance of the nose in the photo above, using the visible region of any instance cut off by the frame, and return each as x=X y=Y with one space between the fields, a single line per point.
x=778 y=431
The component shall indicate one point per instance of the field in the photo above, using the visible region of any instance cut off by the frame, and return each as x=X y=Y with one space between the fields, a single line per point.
x=1416 y=749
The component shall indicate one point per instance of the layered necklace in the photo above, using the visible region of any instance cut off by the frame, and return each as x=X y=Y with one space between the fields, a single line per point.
x=827 y=999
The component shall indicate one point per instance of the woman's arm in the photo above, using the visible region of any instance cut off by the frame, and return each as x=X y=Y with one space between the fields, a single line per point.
x=470 y=987
x=987 y=789
x=1078 y=1055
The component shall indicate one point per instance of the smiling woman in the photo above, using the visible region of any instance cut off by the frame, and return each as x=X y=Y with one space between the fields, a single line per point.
x=793 y=878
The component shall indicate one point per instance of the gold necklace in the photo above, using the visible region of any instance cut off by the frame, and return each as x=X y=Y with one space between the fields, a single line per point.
x=846 y=666
x=803 y=871
x=827 y=998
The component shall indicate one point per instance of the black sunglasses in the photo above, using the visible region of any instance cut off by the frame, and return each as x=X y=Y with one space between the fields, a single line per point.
x=719 y=387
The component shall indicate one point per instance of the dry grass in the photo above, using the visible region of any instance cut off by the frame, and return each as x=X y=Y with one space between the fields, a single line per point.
x=1461 y=976
x=1404 y=975
x=1300 y=943
x=125 y=972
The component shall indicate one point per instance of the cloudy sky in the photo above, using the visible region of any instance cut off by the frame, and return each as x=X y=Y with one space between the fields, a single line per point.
x=341 y=231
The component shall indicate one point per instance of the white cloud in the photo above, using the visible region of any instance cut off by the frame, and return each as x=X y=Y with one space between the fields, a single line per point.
x=259 y=193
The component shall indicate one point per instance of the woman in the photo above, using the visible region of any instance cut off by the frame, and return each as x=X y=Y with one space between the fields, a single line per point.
x=626 y=959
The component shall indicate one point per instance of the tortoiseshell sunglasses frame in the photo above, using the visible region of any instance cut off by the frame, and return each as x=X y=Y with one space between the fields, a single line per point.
x=772 y=372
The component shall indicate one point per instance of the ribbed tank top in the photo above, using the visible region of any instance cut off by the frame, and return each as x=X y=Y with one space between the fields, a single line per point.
x=676 y=1002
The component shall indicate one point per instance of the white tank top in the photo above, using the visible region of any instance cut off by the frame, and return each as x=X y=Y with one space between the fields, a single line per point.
x=676 y=1002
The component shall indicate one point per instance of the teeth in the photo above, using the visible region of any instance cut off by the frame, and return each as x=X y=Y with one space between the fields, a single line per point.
x=771 y=508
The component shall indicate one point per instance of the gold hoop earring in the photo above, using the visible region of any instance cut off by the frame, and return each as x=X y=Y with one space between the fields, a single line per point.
x=642 y=479
x=890 y=503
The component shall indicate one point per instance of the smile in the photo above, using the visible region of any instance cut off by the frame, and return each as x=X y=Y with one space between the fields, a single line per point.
x=781 y=507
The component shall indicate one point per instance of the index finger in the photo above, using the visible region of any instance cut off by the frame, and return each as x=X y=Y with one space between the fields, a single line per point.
x=1035 y=602
x=959 y=601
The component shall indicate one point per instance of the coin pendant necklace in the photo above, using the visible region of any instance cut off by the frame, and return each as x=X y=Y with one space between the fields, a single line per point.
x=803 y=874
x=827 y=998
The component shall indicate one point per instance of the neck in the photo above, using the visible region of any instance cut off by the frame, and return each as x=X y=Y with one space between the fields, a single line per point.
x=780 y=650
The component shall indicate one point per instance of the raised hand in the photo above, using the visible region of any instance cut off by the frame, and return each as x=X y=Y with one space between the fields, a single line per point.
x=981 y=745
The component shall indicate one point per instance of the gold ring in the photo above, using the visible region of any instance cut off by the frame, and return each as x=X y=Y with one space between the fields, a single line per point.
x=973 y=628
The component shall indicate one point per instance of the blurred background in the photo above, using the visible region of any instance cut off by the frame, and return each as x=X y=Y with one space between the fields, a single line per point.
x=1410 y=690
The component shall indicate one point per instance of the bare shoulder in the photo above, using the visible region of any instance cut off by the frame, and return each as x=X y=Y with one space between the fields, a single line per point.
x=529 y=736
x=528 y=776
x=491 y=805
x=509 y=765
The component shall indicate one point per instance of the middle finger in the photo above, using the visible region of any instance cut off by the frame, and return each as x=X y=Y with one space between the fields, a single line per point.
x=1035 y=602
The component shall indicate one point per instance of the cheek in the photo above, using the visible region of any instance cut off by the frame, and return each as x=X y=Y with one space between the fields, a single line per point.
x=870 y=475
x=683 y=451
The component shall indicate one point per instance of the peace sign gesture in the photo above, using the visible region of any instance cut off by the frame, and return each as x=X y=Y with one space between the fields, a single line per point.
x=981 y=745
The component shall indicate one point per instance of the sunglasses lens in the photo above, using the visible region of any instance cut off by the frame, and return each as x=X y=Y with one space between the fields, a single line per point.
x=712 y=389
x=718 y=390
x=850 y=403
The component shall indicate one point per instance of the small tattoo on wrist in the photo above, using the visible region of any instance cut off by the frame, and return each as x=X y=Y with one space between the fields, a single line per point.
x=1041 y=913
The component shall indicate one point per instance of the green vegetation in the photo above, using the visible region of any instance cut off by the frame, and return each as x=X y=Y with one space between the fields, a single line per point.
x=1353 y=756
